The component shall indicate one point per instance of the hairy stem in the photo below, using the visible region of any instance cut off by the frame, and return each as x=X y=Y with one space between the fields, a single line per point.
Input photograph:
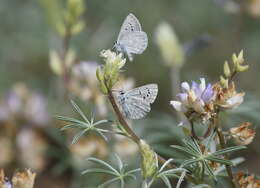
x=223 y=146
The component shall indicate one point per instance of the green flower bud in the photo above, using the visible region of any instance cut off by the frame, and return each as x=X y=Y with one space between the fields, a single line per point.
x=227 y=71
x=149 y=159
x=55 y=63
x=224 y=82
x=242 y=68
x=169 y=45
x=77 y=28
x=108 y=74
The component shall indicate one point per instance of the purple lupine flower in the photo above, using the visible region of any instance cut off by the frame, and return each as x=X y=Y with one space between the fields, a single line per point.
x=194 y=97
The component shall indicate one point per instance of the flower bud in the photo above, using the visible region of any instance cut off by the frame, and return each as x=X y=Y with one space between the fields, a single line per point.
x=108 y=74
x=224 y=82
x=169 y=45
x=149 y=160
x=23 y=179
x=242 y=134
x=242 y=68
x=245 y=180
x=227 y=71
x=55 y=63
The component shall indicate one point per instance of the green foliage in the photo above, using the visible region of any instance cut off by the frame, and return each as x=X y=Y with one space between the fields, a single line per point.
x=85 y=126
x=164 y=175
x=199 y=160
x=120 y=174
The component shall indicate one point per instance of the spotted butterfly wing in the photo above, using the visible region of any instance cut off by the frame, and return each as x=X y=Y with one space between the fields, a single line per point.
x=130 y=24
x=134 y=43
x=135 y=104
x=131 y=39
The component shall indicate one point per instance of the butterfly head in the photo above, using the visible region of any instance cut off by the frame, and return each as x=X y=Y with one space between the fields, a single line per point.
x=121 y=92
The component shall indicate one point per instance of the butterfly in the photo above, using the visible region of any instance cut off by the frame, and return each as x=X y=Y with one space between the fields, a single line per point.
x=131 y=39
x=135 y=104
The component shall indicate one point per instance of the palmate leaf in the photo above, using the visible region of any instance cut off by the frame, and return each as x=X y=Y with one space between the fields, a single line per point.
x=118 y=175
x=196 y=156
x=85 y=126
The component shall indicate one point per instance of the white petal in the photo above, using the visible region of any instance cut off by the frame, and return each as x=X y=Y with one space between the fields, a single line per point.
x=178 y=106
x=235 y=101
x=185 y=86
x=202 y=84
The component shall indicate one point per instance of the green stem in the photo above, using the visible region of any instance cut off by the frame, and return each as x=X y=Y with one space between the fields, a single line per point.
x=223 y=146
x=132 y=134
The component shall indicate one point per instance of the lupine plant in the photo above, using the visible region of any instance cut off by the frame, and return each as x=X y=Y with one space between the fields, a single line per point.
x=206 y=147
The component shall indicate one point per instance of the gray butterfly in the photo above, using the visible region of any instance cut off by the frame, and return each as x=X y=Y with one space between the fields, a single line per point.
x=135 y=104
x=131 y=39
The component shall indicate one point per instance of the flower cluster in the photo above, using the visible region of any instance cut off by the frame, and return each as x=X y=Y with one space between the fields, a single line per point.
x=247 y=181
x=242 y=134
x=228 y=98
x=201 y=101
x=108 y=74
x=195 y=99
x=23 y=179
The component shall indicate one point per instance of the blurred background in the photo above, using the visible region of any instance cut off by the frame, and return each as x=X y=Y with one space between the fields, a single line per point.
x=208 y=32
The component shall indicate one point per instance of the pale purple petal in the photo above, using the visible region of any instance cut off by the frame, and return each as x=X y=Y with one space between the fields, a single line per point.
x=182 y=96
x=196 y=88
x=207 y=94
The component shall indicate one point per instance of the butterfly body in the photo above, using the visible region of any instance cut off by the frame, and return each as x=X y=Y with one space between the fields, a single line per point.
x=135 y=104
x=131 y=39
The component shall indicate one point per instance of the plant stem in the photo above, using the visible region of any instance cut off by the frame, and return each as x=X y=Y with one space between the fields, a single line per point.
x=121 y=118
x=223 y=146
x=132 y=134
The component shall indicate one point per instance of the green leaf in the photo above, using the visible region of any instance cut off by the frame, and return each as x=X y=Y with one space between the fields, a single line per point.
x=181 y=179
x=98 y=170
x=209 y=170
x=228 y=150
x=191 y=152
x=172 y=171
x=103 y=163
x=120 y=163
x=108 y=182
x=72 y=120
x=165 y=164
x=189 y=161
x=78 y=135
x=166 y=181
x=70 y=126
x=76 y=107
x=201 y=186
x=100 y=122
x=219 y=160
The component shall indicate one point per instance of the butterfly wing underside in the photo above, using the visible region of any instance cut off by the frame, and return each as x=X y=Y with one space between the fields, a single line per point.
x=136 y=102
x=134 y=42
x=130 y=24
